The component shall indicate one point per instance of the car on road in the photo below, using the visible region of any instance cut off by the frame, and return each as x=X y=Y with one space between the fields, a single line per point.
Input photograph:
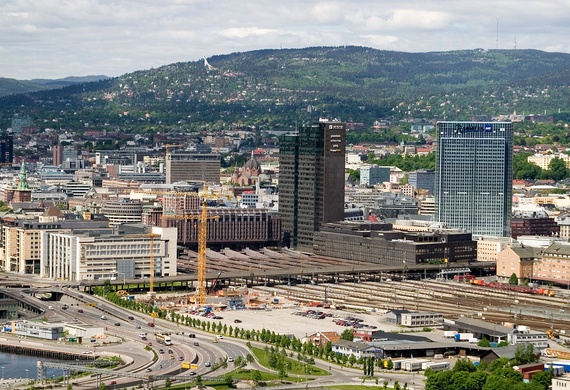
x=103 y=317
x=131 y=318
x=112 y=383
x=181 y=358
x=192 y=335
x=219 y=337
x=80 y=310
x=149 y=369
x=208 y=364
x=151 y=324
x=117 y=324
x=192 y=373
x=161 y=350
x=196 y=344
x=149 y=344
x=230 y=359
x=170 y=351
x=214 y=340
x=237 y=321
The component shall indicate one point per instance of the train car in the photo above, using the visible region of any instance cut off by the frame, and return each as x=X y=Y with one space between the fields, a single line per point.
x=464 y=278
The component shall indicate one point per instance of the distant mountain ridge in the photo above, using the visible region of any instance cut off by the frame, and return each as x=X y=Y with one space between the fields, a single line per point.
x=281 y=87
x=12 y=86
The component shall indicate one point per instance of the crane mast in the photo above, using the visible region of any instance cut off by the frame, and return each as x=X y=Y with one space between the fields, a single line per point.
x=202 y=232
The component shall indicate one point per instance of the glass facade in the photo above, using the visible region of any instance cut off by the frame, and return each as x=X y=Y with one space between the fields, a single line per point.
x=311 y=181
x=474 y=176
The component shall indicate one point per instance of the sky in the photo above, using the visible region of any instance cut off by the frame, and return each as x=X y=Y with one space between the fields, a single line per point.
x=60 y=38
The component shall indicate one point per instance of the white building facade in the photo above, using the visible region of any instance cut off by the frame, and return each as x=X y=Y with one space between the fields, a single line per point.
x=77 y=257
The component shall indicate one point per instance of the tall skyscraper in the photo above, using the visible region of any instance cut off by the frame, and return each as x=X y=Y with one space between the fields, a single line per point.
x=311 y=181
x=474 y=176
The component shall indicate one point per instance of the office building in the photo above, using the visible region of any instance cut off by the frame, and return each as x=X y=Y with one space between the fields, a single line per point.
x=423 y=179
x=6 y=149
x=192 y=166
x=474 y=176
x=130 y=253
x=373 y=174
x=311 y=181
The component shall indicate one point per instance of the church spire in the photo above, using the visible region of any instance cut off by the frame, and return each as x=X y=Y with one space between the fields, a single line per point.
x=23 y=178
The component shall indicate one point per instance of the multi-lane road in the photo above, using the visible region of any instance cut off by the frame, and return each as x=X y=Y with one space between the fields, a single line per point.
x=123 y=328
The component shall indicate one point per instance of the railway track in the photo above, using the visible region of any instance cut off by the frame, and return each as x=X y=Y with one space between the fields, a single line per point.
x=449 y=298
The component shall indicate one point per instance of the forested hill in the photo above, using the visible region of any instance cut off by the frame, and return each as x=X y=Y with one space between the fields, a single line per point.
x=277 y=88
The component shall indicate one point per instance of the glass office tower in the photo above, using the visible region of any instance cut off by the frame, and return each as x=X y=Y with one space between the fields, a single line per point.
x=311 y=181
x=474 y=176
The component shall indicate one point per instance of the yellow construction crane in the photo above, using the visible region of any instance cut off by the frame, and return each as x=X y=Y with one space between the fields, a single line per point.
x=151 y=236
x=167 y=146
x=202 y=236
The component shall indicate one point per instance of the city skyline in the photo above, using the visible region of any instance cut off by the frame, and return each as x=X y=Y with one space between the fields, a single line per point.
x=57 y=39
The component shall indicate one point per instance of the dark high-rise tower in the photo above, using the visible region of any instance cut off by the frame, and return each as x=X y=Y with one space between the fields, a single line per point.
x=474 y=174
x=311 y=181
x=6 y=149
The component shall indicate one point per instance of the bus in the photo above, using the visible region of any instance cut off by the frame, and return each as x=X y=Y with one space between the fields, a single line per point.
x=163 y=338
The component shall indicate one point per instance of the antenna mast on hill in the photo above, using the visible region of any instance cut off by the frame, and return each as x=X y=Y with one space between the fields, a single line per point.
x=497 y=32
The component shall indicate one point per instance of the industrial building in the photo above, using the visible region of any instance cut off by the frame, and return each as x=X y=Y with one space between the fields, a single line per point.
x=474 y=165
x=378 y=243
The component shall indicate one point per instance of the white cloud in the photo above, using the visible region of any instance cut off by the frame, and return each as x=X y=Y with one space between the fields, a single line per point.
x=57 y=38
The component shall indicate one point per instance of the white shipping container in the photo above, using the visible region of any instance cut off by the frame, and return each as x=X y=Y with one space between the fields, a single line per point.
x=436 y=366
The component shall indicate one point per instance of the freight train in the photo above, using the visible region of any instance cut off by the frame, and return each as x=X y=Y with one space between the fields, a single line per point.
x=513 y=287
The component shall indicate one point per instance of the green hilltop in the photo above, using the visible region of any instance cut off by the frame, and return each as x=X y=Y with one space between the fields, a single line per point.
x=278 y=88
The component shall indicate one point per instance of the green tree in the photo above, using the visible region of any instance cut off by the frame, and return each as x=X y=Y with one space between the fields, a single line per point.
x=543 y=378
x=464 y=365
x=347 y=334
x=256 y=376
x=514 y=280
x=476 y=380
x=557 y=169
x=524 y=354
x=484 y=343
x=167 y=383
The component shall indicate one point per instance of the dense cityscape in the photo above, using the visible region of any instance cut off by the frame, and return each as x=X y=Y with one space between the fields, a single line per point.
x=220 y=233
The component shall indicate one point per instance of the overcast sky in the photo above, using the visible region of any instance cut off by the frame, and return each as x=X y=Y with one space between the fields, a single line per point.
x=59 y=38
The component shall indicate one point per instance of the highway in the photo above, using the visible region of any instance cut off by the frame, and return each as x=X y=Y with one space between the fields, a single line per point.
x=122 y=329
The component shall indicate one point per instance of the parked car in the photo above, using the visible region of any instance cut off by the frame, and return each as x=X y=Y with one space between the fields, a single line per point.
x=237 y=321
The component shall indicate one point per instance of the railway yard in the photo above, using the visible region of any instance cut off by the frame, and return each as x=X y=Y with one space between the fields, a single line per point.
x=377 y=292
x=450 y=298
